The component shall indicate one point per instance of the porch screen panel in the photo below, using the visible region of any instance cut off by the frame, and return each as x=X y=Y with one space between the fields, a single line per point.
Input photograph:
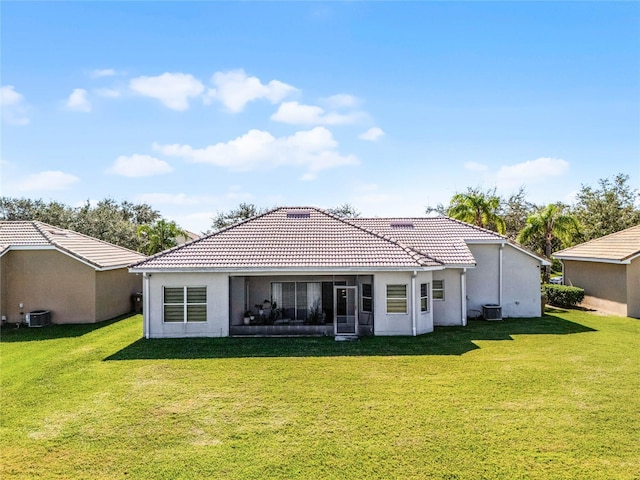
x=302 y=308
x=314 y=296
x=284 y=294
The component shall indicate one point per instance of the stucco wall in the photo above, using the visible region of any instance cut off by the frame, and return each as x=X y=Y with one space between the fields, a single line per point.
x=217 y=324
x=633 y=288
x=483 y=281
x=521 y=289
x=3 y=290
x=604 y=284
x=48 y=280
x=113 y=292
x=448 y=311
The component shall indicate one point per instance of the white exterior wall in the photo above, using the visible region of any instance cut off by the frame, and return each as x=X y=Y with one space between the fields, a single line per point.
x=521 y=288
x=217 y=324
x=448 y=312
x=483 y=282
x=520 y=281
x=401 y=323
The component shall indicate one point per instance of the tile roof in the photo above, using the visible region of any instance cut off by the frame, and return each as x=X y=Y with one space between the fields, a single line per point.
x=441 y=237
x=619 y=246
x=286 y=238
x=97 y=253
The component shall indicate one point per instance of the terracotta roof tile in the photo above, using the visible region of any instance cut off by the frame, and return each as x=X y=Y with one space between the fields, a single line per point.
x=287 y=238
x=91 y=250
x=619 y=246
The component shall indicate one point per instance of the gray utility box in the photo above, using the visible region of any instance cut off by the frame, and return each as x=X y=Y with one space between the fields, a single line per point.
x=492 y=312
x=39 y=318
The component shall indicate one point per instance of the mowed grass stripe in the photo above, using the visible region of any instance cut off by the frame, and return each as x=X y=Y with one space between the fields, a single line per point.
x=555 y=397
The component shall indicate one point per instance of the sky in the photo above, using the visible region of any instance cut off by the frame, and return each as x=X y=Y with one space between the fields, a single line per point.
x=194 y=107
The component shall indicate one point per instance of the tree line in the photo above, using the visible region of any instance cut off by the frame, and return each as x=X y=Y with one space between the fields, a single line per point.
x=611 y=206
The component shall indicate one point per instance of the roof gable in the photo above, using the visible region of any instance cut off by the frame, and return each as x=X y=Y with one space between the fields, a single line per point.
x=35 y=235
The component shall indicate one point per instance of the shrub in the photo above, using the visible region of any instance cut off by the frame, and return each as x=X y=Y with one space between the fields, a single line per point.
x=563 y=295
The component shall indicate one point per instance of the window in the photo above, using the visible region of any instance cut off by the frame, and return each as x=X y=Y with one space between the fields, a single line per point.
x=424 y=297
x=366 y=297
x=438 y=289
x=297 y=299
x=396 y=299
x=185 y=304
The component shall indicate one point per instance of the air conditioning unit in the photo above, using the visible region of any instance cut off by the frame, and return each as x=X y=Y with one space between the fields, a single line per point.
x=39 y=318
x=492 y=312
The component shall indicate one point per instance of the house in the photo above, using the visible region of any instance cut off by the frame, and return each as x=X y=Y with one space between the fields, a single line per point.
x=78 y=279
x=305 y=271
x=608 y=269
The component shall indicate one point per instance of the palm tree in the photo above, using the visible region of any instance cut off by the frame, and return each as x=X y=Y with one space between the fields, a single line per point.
x=160 y=236
x=477 y=208
x=549 y=222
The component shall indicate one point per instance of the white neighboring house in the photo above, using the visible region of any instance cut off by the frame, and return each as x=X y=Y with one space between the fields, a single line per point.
x=302 y=270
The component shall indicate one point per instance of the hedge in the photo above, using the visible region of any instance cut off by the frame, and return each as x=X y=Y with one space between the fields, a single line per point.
x=563 y=295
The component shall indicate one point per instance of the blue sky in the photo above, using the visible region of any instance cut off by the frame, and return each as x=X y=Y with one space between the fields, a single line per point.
x=196 y=107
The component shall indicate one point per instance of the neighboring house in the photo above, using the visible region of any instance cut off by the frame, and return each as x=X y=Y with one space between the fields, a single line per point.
x=189 y=237
x=305 y=271
x=79 y=279
x=608 y=269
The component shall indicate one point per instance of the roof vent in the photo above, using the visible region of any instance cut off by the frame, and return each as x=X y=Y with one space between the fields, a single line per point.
x=298 y=214
x=401 y=224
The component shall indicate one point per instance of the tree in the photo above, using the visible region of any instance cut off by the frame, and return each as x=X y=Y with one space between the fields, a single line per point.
x=243 y=212
x=107 y=220
x=159 y=236
x=549 y=223
x=477 y=208
x=608 y=209
x=345 y=210
x=515 y=210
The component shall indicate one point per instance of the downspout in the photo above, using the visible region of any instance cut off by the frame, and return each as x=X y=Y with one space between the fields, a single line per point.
x=463 y=295
x=145 y=297
x=414 y=313
x=500 y=276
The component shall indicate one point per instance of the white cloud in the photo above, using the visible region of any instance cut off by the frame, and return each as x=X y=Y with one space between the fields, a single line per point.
x=14 y=110
x=108 y=92
x=50 y=180
x=295 y=113
x=531 y=171
x=139 y=166
x=173 y=89
x=78 y=101
x=234 y=90
x=371 y=135
x=341 y=100
x=104 y=72
x=311 y=149
x=179 y=199
x=475 y=167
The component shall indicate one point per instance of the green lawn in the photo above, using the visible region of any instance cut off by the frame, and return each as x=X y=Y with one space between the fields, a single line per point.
x=557 y=398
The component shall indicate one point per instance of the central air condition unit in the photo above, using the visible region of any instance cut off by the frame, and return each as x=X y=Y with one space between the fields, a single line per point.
x=492 y=312
x=39 y=318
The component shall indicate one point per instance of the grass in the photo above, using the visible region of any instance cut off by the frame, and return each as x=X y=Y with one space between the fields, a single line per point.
x=556 y=397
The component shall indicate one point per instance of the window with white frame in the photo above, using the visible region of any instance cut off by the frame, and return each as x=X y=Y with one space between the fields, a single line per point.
x=396 y=299
x=438 y=290
x=185 y=304
x=424 y=297
x=366 y=298
x=297 y=300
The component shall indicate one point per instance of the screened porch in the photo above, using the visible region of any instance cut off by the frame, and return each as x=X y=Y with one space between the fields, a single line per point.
x=301 y=305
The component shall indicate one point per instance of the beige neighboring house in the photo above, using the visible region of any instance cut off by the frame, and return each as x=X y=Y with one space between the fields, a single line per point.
x=79 y=279
x=304 y=271
x=608 y=269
